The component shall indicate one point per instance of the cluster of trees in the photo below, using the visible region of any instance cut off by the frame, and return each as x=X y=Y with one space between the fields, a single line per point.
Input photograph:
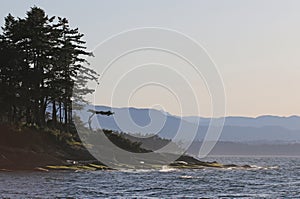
x=43 y=69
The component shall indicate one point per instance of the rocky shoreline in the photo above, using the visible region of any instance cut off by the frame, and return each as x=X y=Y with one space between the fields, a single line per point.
x=36 y=150
x=16 y=159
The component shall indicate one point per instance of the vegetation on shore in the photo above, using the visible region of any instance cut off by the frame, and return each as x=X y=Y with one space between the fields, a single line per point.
x=42 y=67
x=28 y=148
x=43 y=74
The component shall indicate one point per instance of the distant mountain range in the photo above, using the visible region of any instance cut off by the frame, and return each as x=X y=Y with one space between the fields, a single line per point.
x=266 y=129
x=292 y=122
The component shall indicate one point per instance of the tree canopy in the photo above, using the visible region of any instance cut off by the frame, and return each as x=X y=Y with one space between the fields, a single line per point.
x=42 y=63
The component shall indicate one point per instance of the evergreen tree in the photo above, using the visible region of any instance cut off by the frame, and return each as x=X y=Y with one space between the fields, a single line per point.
x=42 y=63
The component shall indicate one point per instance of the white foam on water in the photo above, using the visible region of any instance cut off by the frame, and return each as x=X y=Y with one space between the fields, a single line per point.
x=166 y=168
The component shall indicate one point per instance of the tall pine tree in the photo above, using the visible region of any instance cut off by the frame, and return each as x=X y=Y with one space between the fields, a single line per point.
x=42 y=63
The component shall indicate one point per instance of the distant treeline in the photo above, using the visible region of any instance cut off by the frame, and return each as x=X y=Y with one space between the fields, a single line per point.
x=42 y=70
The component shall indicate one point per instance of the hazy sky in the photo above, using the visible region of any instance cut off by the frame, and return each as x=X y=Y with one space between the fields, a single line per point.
x=255 y=44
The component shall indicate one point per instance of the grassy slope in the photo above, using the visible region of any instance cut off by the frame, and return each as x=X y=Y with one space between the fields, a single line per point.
x=28 y=148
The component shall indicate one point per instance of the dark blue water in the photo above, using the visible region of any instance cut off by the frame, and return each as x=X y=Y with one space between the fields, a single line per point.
x=271 y=178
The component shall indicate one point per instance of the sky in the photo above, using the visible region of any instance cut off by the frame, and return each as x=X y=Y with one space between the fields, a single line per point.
x=253 y=44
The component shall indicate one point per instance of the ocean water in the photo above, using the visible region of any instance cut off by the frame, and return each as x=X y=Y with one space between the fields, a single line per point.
x=271 y=177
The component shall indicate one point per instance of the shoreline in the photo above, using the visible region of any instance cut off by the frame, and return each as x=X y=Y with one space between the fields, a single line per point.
x=29 y=149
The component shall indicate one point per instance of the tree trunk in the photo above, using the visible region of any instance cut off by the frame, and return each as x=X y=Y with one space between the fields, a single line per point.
x=60 y=113
x=70 y=114
x=66 y=109
x=54 y=112
x=43 y=107
x=66 y=113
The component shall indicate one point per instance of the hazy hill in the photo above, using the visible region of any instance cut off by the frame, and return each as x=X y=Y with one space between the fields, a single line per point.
x=292 y=122
x=236 y=129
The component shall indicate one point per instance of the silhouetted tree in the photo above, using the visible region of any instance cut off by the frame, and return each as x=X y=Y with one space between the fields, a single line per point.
x=42 y=63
